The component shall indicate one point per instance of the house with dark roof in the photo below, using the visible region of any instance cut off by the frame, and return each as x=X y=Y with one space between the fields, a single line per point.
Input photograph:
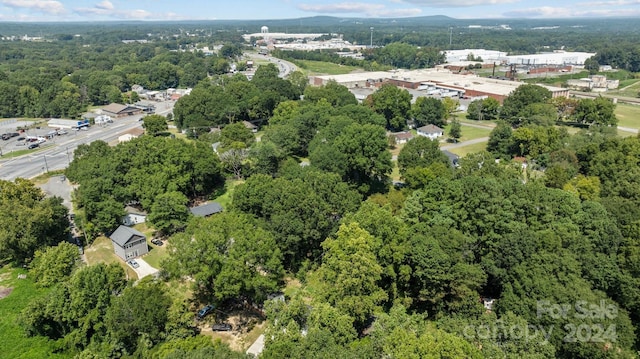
x=118 y=110
x=128 y=243
x=206 y=210
x=430 y=131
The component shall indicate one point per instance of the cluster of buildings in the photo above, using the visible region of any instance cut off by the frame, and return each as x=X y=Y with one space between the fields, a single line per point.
x=437 y=81
x=595 y=83
x=304 y=42
x=129 y=243
x=168 y=94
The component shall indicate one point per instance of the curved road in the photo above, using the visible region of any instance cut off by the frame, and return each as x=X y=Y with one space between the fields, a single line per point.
x=285 y=67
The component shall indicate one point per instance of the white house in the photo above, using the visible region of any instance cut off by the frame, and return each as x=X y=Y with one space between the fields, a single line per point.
x=133 y=216
x=430 y=131
x=402 y=137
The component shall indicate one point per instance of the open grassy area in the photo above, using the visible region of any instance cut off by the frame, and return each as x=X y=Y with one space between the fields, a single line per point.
x=225 y=198
x=468 y=132
x=464 y=150
x=13 y=342
x=156 y=254
x=628 y=115
x=323 y=68
x=101 y=251
x=627 y=88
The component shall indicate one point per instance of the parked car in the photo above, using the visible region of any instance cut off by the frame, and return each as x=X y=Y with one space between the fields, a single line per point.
x=20 y=139
x=221 y=327
x=133 y=263
x=156 y=241
x=6 y=136
x=33 y=145
x=206 y=311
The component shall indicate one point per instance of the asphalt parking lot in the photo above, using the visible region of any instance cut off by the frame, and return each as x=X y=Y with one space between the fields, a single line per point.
x=59 y=186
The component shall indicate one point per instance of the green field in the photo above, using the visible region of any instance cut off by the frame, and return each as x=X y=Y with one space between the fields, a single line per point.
x=323 y=68
x=469 y=133
x=464 y=150
x=628 y=88
x=13 y=342
x=101 y=251
x=628 y=115
x=225 y=198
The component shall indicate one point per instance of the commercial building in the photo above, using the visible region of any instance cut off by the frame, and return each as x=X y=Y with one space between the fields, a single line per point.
x=437 y=82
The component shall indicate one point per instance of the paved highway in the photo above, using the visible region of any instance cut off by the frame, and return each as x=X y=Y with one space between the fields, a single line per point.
x=284 y=67
x=57 y=153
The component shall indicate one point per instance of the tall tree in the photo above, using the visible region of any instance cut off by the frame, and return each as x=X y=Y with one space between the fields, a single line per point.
x=429 y=110
x=349 y=273
x=393 y=103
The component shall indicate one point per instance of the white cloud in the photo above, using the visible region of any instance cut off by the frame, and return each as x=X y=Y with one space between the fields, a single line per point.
x=560 y=12
x=106 y=5
x=458 y=3
x=373 y=10
x=611 y=3
x=46 y=6
x=106 y=9
x=340 y=8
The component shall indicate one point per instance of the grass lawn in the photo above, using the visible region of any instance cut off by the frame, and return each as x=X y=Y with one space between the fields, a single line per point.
x=627 y=88
x=395 y=174
x=13 y=342
x=470 y=133
x=463 y=151
x=225 y=198
x=156 y=254
x=626 y=134
x=101 y=251
x=628 y=115
x=325 y=68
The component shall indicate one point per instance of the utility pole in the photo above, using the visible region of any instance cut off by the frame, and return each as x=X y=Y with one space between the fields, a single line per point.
x=45 y=163
x=371 y=43
x=450 y=36
x=68 y=157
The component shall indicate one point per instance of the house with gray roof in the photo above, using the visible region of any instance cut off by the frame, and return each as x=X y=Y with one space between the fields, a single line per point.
x=129 y=243
x=206 y=210
x=430 y=131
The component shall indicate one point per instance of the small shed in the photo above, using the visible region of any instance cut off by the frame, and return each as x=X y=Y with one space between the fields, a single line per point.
x=128 y=243
x=206 y=210
x=250 y=126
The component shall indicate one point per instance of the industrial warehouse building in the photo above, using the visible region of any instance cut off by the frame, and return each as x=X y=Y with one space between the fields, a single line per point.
x=439 y=79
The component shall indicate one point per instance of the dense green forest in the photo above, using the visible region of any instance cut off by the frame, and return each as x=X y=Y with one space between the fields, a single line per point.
x=528 y=249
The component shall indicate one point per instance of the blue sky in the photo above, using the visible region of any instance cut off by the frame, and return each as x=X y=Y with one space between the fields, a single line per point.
x=78 y=10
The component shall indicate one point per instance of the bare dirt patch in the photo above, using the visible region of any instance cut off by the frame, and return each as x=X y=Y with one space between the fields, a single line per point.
x=247 y=326
x=4 y=292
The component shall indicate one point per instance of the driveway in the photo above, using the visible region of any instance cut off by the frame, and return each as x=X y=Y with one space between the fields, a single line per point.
x=257 y=347
x=144 y=269
x=59 y=186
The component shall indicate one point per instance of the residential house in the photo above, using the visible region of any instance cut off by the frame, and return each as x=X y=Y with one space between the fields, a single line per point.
x=128 y=243
x=250 y=126
x=130 y=134
x=430 y=131
x=117 y=110
x=133 y=216
x=403 y=137
x=206 y=210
